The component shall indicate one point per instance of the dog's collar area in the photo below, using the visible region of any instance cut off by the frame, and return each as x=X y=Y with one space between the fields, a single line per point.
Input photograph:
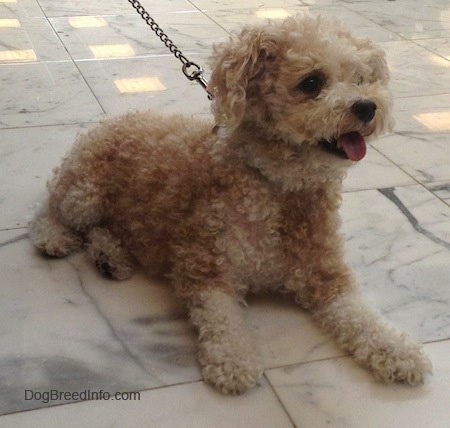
x=348 y=146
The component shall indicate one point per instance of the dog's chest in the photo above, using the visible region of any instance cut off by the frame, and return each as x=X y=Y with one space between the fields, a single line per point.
x=251 y=243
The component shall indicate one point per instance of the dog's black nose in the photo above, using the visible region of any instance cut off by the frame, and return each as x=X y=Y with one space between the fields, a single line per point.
x=364 y=110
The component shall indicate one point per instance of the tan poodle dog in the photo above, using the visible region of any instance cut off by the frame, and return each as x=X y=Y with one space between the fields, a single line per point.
x=250 y=204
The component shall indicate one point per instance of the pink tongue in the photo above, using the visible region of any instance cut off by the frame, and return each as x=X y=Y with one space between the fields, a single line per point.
x=354 y=145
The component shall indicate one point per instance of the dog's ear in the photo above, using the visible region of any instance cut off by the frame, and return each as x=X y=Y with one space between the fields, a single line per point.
x=234 y=64
x=375 y=59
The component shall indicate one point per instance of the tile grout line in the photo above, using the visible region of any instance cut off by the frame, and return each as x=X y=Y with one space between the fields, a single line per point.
x=280 y=401
x=76 y=66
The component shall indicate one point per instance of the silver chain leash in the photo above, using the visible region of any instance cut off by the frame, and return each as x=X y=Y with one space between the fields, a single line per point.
x=190 y=69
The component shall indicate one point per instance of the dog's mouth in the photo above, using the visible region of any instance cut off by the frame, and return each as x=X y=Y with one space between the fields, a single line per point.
x=349 y=146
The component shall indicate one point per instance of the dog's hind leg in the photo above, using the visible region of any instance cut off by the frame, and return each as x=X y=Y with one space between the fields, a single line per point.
x=51 y=237
x=227 y=354
x=110 y=257
x=79 y=206
x=58 y=229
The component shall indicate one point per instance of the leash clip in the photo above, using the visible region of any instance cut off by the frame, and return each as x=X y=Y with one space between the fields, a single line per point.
x=196 y=75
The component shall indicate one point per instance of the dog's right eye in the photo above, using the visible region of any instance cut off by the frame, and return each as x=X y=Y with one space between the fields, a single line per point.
x=312 y=84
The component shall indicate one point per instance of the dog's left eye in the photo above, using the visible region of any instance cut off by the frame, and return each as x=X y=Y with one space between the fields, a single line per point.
x=312 y=84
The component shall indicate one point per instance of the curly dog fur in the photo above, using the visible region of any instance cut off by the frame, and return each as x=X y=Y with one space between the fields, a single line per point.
x=249 y=204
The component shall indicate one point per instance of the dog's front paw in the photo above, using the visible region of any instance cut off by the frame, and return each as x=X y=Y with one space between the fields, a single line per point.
x=403 y=363
x=227 y=350
x=231 y=377
x=389 y=354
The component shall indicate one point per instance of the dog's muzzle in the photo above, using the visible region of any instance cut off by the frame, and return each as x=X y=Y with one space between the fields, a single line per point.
x=352 y=144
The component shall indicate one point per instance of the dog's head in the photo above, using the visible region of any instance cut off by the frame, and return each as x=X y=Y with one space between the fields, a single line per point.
x=304 y=80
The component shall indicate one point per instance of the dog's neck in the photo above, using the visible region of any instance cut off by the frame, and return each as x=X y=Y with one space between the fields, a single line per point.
x=290 y=166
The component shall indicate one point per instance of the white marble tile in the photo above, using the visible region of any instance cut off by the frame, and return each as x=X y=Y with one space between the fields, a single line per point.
x=191 y=31
x=441 y=190
x=112 y=7
x=66 y=328
x=188 y=406
x=337 y=393
x=422 y=114
x=20 y=9
x=415 y=70
x=375 y=171
x=177 y=94
x=30 y=39
x=27 y=157
x=359 y=25
x=286 y=334
x=45 y=94
x=420 y=142
x=209 y=5
x=440 y=47
x=430 y=19
x=398 y=243
x=232 y=19
x=321 y=3
x=424 y=156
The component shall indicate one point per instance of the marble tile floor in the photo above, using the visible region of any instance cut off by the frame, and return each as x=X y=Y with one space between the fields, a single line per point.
x=66 y=64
